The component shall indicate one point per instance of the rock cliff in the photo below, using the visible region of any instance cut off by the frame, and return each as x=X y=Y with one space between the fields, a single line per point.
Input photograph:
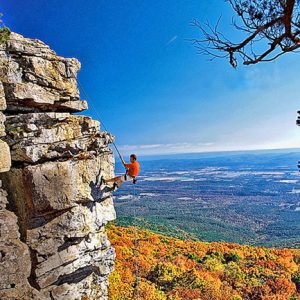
x=53 y=243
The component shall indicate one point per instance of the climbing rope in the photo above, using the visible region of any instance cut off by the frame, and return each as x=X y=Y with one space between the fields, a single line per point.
x=95 y=111
x=135 y=250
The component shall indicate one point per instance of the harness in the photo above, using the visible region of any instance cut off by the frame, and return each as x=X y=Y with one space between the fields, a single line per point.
x=134 y=180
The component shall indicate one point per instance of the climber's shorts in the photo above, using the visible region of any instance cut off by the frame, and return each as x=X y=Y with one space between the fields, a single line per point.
x=127 y=177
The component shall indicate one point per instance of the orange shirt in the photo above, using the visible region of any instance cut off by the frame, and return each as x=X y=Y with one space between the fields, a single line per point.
x=133 y=169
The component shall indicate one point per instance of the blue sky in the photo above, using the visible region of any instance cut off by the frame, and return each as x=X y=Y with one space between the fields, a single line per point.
x=151 y=88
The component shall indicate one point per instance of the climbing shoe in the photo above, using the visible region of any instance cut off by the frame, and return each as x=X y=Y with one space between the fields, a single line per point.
x=115 y=186
x=102 y=181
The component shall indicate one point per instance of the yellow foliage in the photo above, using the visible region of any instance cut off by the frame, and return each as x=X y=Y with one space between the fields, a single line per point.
x=172 y=269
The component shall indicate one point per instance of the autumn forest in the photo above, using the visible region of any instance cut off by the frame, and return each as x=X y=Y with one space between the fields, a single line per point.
x=174 y=269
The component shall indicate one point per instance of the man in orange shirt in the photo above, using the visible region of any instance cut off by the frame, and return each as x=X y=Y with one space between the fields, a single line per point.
x=132 y=171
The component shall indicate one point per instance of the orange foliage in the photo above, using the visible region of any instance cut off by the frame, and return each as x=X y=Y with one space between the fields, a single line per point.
x=173 y=269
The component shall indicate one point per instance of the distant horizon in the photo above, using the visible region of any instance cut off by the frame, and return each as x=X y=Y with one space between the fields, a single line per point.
x=185 y=148
x=293 y=149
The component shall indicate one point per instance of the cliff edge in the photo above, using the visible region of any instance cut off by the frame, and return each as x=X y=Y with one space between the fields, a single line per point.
x=53 y=243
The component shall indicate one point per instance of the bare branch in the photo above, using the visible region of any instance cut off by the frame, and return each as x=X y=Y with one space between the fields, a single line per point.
x=272 y=25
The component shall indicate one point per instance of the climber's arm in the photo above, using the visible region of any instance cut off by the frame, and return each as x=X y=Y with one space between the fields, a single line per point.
x=127 y=165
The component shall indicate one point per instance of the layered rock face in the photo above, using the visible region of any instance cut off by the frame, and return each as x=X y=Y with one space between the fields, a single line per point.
x=15 y=263
x=53 y=186
x=5 y=161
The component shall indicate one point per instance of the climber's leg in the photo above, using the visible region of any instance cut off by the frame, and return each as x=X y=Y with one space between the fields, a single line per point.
x=118 y=178
x=117 y=184
x=120 y=182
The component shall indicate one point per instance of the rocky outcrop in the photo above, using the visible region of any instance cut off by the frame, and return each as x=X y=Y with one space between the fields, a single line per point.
x=34 y=78
x=53 y=186
x=15 y=263
x=5 y=161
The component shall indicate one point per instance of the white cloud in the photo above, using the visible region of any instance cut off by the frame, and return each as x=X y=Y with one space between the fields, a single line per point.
x=153 y=146
x=177 y=148
x=167 y=148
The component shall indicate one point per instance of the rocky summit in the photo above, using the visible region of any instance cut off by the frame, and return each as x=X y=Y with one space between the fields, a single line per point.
x=53 y=211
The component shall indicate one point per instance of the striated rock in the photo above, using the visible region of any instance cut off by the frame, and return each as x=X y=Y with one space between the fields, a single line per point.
x=87 y=287
x=38 y=137
x=5 y=161
x=35 y=79
x=2 y=126
x=58 y=242
x=62 y=213
x=15 y=263
x=41 y=191
x=2 y=97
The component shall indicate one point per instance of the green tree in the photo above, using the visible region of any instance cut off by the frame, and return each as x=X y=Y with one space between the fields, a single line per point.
x=231 y=257
x=4 y=31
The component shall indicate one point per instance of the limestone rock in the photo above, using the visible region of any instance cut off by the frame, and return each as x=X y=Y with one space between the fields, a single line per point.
x=2 y=126
x=2 y=97
x=57 y=186
x=58 y=248
x=62 y=218
x=38 y=137
x=5 y=160
x=15 y=263
x=87 y=287
x=34 y=78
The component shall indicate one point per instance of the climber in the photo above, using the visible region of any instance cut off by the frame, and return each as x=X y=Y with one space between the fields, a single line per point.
x=132 y=171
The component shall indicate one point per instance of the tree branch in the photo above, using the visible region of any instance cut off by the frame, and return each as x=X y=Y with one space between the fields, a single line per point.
x=272 y=24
